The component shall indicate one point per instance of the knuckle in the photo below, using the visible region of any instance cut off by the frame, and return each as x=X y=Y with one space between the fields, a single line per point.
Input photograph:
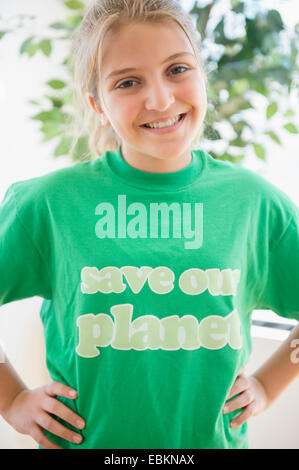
x=53 y=388
x=248 y=394
x=47 y=403
x=50 y=386
x=51 y=405
x=45 y=421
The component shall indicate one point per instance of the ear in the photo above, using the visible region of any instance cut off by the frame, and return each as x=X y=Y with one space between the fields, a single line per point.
x=94 y=106
x=99 y=111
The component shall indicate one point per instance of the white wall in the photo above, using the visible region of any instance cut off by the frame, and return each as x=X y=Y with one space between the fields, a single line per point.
x=24 y=156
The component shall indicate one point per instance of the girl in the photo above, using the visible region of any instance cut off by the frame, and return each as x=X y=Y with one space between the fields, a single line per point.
x=150 y=258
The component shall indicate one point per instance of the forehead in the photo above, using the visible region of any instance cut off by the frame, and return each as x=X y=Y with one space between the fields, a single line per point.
x=142 y=45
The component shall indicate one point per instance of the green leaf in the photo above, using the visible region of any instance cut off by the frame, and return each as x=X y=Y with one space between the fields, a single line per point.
x=237 y=158
x=54 y=115
x=211 y=133
x=51 y=129
x=239 y=126
x=232 y=106
x=73 y=21
x=271 y=109
x=290 y=127
x=57 y=102
x=56 y=84
x=2 y=33
x=25 y=44
x=274 y=20
x=67 y=98
x=273 y=137
x=31 y=49
x=46 y=47
x=259 y=87
x=33 y=102
x=230 y=157
x=58 y=26
x=68 y=62
x=240 y=86
x=219 y=32
x=289 y=113
x=43 y=116
x=259 y=151
x=202 y=16
x=236 y=6
x=74 y=4
x=63 y=147
x=238 y=142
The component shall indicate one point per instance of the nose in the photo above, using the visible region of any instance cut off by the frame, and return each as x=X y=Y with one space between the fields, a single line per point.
x=159 y=96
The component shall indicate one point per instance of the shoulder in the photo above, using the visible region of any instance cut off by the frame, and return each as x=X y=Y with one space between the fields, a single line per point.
x=58 y=183
x=247 y=185
x=235 y=173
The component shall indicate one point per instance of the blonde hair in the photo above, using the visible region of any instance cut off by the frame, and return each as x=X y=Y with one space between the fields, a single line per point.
x=103 y=16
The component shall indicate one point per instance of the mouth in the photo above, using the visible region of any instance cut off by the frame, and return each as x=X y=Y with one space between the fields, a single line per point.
x=165 y=130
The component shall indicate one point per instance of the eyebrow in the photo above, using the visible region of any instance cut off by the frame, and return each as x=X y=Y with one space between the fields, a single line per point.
x=131 y=69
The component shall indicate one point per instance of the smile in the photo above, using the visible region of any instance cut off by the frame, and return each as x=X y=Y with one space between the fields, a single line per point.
x=166 y=127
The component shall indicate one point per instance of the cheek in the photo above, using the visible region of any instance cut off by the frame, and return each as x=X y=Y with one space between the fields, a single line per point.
x=200 y=99
x=194 y=93
x=124 y=112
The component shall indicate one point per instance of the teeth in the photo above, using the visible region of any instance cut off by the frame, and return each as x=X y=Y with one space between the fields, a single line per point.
x=160 y=125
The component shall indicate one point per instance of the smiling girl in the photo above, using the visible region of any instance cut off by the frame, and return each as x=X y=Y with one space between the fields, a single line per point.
x=151 y=257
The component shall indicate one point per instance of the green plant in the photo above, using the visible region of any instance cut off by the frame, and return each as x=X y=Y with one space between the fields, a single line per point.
x=247 y=52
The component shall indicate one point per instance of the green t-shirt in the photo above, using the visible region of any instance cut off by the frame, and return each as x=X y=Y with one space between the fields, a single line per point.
x=150 y=280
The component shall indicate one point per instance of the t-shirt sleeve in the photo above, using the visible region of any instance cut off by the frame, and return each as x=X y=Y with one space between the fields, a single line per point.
x=280 y=291
x=23 y=270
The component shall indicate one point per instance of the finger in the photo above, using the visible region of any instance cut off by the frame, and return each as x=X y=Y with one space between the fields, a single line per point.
x=240 y=401
x=50 y=424
x=242 y=371
x=241 y=383
x=244 y=416
x=39 y=437
x=59 y=389
x=57 y=408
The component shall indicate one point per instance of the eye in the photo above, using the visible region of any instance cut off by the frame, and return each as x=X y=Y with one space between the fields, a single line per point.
x=179 y=67
x=121 y=85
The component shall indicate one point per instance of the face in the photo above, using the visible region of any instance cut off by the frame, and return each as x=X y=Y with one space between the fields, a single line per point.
x=159 y=88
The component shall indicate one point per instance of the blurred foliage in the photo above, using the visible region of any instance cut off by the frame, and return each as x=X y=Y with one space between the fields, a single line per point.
x=247 y=52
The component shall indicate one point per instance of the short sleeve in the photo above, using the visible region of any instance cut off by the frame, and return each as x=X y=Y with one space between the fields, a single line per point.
x=281 y=272
x=23 y=271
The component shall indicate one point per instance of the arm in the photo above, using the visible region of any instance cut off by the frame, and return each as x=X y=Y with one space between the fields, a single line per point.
x=33 y=411
x=258 y=391
x=281 y=369
x=10 y=385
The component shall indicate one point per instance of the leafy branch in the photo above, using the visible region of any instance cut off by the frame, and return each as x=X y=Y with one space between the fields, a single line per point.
x=249 y=56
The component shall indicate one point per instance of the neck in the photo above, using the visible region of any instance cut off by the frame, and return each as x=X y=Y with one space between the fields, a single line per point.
x=152 y=164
